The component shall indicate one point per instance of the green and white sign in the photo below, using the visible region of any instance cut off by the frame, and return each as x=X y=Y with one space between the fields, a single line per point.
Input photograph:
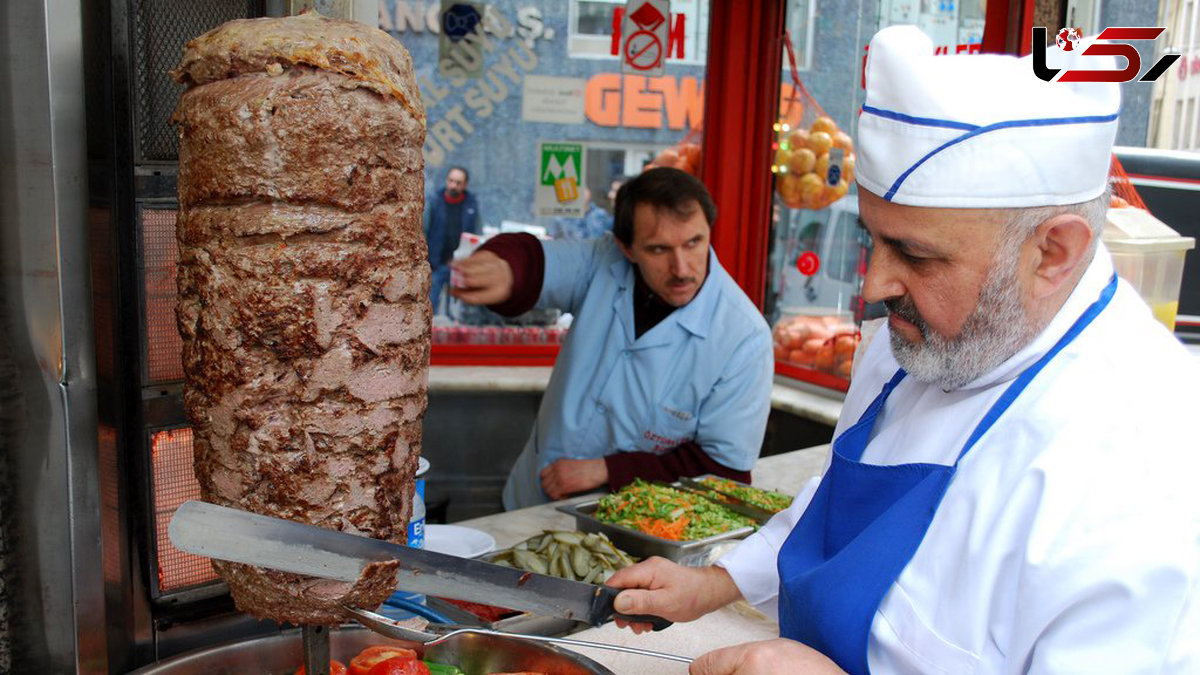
x=559 y=189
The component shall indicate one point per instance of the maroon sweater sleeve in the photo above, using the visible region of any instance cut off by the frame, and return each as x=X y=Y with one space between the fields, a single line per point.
x=685 y=459
x=523 y=253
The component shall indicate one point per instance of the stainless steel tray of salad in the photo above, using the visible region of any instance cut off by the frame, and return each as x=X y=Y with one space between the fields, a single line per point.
x=647 y=519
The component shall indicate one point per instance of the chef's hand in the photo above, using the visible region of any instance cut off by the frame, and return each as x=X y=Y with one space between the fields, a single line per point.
x=484 y=278
x=768 y=657
x=660 y=587
x=565 y=477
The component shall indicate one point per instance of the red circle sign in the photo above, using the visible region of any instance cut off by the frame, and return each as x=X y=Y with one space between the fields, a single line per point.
x=808 y=263
x=643 y=50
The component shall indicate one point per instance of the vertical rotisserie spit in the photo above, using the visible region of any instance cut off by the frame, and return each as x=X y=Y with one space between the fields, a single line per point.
x=303 y=287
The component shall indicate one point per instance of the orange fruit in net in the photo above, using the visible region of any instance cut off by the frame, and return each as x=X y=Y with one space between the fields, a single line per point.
x=812 y=189
x=801 y=161
x=798 y=138
x=821 y=167
x=823 y=123
x=842 y=140
x=820 y=142
x=788 y=187
x=835 y=192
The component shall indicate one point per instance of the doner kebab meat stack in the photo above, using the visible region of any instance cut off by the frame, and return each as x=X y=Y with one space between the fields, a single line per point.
x=303 y=288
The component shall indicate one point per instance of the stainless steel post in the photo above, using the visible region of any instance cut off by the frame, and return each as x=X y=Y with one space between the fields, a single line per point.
x=316 y=650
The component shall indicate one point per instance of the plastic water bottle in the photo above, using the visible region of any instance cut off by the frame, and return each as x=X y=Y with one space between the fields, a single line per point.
x=416 y=539
x=416 y=522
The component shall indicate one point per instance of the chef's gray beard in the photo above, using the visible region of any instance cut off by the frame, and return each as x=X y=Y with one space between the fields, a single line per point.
x=997 y=328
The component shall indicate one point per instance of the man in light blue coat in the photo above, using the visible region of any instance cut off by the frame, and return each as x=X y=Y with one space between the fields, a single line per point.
x=667 y=369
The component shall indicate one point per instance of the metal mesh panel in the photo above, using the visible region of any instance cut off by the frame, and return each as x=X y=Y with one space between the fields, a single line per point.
x=161 y=28
x=160 y=256
x=174 y=484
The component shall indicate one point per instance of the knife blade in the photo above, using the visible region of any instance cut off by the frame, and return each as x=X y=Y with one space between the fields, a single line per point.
x=735 y=504
x=240 y=536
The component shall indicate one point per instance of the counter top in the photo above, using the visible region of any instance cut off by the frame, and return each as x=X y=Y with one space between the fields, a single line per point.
x=733 y=624
x=817 y=406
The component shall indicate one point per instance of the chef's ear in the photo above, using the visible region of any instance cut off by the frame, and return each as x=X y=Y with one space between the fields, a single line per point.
x=1061 y=245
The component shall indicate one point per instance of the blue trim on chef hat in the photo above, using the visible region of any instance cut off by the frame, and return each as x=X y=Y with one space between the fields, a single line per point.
x=972 y=130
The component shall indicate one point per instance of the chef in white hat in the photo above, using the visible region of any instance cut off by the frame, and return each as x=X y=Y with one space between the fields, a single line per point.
x=1012 y=483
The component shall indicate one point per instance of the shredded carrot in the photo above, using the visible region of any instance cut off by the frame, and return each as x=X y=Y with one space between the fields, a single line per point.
x=658 y=527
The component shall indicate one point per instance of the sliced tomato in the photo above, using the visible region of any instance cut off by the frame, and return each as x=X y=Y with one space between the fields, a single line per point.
x=369 y=657
x=399 y=666
x=335 y=668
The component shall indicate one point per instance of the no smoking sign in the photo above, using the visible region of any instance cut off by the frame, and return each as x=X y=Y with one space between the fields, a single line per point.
x=646 y=29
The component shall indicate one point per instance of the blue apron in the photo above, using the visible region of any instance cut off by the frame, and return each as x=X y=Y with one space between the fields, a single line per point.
x=864 y=524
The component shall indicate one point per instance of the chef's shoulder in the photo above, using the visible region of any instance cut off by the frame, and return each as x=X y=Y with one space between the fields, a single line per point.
x=1133 y=370
x=1115 y=416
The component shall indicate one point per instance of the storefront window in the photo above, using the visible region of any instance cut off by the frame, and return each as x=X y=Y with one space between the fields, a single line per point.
x=522 y=95
x=954 y=26
x=818 y=253
x=800 y=22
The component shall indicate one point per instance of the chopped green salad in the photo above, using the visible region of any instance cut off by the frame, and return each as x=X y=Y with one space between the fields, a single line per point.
x=664 y=512
x=763 y=499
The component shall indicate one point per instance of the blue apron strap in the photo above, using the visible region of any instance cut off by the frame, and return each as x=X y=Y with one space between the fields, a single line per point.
x=1024 y=378
x=851 y=443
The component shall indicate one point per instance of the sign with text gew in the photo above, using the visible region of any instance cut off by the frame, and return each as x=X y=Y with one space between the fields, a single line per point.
x=559 y=189
x=645 y=32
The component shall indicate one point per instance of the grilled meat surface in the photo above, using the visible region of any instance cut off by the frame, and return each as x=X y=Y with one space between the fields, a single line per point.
x=303 y=288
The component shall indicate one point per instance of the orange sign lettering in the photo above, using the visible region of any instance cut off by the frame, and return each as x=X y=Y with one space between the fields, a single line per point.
x=634 y=101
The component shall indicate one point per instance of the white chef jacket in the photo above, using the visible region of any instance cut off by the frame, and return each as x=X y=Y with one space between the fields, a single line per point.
x=702 y=374
x=1069 y=540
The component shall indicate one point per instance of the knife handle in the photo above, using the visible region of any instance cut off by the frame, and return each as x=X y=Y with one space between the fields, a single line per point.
x=605 y=595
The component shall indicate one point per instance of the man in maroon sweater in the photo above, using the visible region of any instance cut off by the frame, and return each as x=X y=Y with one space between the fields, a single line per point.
x=667 y=369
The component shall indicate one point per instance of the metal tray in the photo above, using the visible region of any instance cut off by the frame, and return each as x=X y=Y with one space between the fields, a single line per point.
x=640 y=544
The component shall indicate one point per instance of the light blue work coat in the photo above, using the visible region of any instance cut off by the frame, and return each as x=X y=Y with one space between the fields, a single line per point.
x=702 y=374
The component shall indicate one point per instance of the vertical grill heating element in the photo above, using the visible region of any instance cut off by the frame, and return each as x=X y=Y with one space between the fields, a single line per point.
x=174 y=484
x=171 y=459
x=160 y=256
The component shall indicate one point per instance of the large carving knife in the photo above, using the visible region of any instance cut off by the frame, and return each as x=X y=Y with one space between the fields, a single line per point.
x=240 y=536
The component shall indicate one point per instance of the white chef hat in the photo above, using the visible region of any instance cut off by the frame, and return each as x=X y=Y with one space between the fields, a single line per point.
x=981 y=130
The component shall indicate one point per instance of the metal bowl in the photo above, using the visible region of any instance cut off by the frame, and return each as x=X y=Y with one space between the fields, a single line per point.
x=282 y=655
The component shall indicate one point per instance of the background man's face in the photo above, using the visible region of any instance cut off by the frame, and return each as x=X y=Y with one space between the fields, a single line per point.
x=456 y=182
x=671 y=252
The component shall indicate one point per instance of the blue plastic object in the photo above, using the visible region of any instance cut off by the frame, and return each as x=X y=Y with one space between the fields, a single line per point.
x=417 y=608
